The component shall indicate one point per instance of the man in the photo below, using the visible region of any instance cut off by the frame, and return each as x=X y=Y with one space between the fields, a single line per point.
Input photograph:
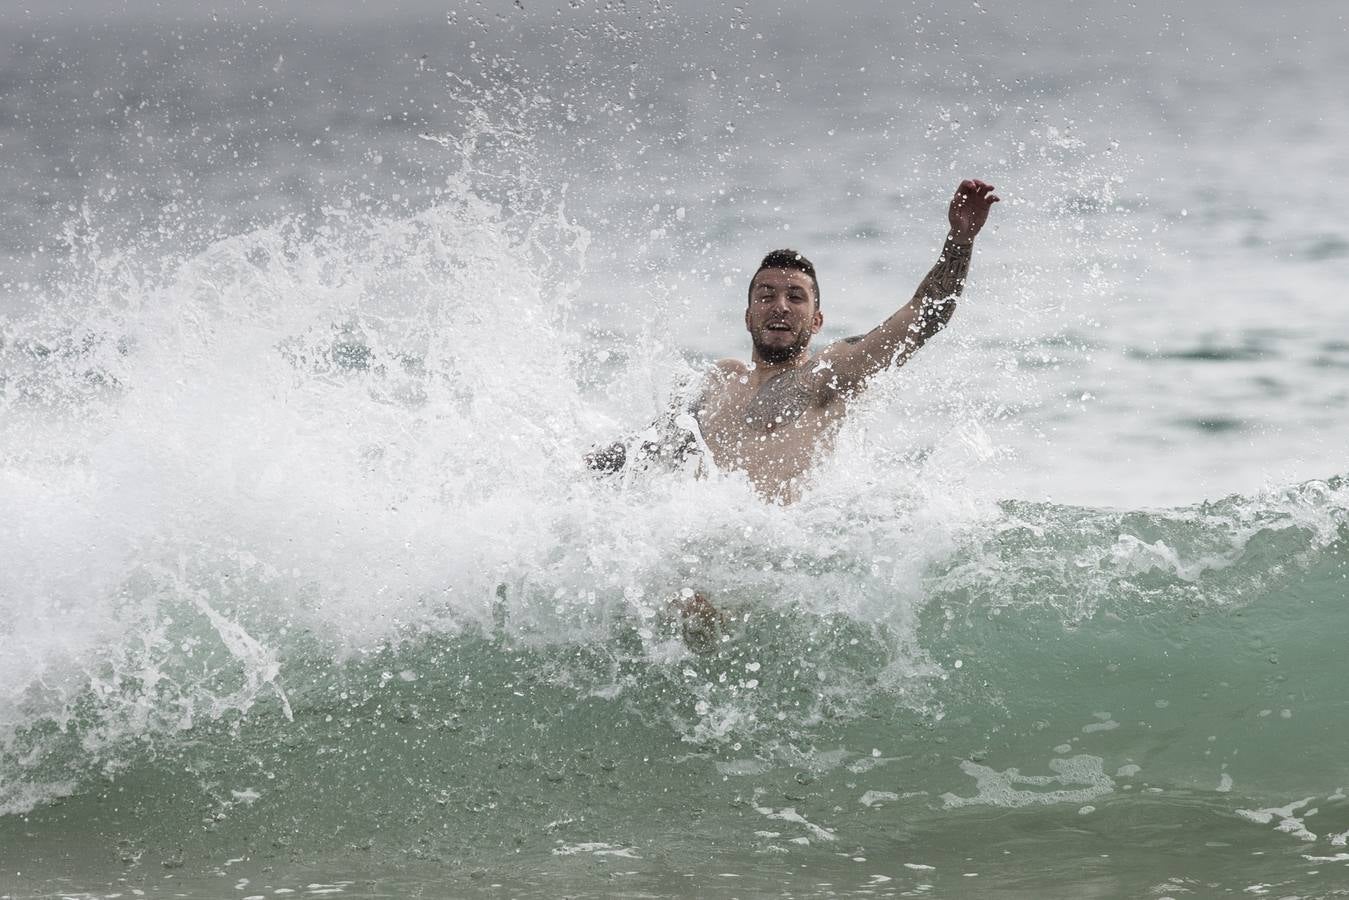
x=773 y=418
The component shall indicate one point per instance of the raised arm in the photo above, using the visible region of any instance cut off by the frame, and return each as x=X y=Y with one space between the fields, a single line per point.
x=852 y=361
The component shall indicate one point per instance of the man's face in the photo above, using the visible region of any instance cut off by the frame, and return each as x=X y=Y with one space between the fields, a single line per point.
x=783 y=313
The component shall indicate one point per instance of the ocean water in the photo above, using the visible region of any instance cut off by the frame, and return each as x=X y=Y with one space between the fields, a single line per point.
x=307 y=318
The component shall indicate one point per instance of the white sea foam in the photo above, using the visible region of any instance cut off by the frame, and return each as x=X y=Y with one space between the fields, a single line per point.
x=789 y=814
x=596 y=848
x=1077 y=779
x=1287 y=821
x=875 y=798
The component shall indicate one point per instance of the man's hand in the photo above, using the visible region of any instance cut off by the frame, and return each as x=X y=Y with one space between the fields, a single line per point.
x=969 y=209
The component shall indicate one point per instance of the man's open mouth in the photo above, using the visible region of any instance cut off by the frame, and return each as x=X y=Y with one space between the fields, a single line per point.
x=779 y=326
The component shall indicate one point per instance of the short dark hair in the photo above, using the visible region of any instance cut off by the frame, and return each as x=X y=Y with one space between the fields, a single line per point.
x=788 y=259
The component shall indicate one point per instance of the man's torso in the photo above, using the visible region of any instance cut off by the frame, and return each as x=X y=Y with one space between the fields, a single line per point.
x=773 y=431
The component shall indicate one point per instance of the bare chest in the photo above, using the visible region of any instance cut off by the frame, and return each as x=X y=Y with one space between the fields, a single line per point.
x=785 y=410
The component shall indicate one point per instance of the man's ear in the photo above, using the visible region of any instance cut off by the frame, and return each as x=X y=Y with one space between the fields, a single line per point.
x=747 y=318
x=818 y=322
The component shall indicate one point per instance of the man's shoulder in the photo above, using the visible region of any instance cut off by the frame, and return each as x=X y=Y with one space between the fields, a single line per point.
x=730 y=367
x=721 y=378
x=832 y=369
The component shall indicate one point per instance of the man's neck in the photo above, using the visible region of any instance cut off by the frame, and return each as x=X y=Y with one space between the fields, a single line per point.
x=761 y=369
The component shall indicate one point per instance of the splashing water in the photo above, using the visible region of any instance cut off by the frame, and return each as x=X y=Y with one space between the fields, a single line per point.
x=302 y=581
x=318 y=493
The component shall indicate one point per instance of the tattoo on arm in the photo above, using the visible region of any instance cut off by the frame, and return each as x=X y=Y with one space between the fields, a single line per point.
x=608 y=459
x=665 y=442
x=939 y=290
x=895 y=339
x=671 y=448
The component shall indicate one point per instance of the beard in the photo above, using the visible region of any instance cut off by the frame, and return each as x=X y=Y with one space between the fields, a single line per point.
x=780 y=353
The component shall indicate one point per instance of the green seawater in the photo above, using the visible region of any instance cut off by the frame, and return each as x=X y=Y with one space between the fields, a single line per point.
x=1071 y=716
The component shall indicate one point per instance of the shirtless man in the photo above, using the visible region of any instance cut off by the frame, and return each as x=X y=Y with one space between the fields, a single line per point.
x=774 y=417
